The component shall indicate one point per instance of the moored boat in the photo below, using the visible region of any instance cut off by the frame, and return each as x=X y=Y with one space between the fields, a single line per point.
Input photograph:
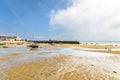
x=34 y=47
x=5 y=46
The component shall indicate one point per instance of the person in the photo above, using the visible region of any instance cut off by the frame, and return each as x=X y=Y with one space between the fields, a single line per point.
x=109 y=49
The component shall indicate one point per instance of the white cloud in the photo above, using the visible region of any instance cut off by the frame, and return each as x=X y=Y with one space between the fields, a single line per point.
x=89 y=19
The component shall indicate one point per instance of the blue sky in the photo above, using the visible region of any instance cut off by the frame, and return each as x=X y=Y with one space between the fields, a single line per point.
x=27 y=17
x=93 y=20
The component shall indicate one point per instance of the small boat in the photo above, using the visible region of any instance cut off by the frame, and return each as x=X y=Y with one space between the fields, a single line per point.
x=5 y=46
x=34 y=47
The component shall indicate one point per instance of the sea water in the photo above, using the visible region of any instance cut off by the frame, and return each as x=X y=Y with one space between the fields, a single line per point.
x=101 y=42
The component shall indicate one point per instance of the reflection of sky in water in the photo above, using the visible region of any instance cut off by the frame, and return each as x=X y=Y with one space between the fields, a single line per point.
x=44 y=52
x=24 y=50
x=13 y=50
x=82 y=53
x=26 y=56
x=41 y=54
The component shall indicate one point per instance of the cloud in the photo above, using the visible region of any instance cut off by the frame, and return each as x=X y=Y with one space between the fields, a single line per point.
x=89 y=19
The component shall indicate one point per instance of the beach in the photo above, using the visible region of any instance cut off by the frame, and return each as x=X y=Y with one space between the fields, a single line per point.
x=60 y=62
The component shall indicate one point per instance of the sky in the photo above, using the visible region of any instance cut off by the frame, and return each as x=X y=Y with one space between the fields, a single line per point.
x=28 y=17
x=90 y=20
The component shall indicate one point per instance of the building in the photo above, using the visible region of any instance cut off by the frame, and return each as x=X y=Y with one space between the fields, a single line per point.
x=9 y=38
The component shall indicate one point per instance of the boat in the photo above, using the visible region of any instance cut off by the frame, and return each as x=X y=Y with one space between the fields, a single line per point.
x=34 y=47
x=5 y=46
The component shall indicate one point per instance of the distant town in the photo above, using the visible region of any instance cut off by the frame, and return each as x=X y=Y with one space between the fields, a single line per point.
x=17 y=39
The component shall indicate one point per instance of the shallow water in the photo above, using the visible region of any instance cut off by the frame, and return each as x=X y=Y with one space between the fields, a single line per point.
x=82 y=53
x=27 y=55
x=48 y=51
x=101 y=42
x=99 y=60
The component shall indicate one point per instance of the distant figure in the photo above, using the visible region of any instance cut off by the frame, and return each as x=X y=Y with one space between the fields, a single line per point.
x=109 y=49
x=105 y=48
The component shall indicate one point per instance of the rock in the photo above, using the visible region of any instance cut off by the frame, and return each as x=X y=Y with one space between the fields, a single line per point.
x=114 y=72
x=91 y=65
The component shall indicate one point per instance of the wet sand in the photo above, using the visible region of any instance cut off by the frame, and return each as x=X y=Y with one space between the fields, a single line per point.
x=4 y=59
x=14 y=54
x=105 y=51
x=60 y=67
x=61 y=62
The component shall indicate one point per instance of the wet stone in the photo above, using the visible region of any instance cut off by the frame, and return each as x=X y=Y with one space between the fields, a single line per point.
x=114 y=72
x=91 y=65
x=41 y=73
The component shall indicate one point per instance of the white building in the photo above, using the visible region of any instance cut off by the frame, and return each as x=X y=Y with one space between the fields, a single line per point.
x=9 y=38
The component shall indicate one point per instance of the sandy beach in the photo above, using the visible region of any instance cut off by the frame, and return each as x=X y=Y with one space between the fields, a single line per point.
x=60 y=62
x=59 y=40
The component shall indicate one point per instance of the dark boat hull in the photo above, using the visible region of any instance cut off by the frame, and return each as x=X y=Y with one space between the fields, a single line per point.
x=34 y=47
